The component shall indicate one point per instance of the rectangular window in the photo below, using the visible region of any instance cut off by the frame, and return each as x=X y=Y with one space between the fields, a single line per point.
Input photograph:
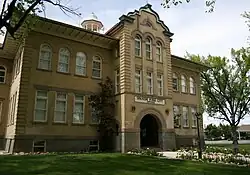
x=158 y=53
x=13 y=113
x=9 y=110
x=183 y=84
x=160 y=84
x=150 y=83
x=78 y=116
x=137 y=46
x=117 y=81
x=39 y=146
x=1 y=110
x=194 y=118
x=185 y=116
x=176 y=113
x=41 y=106
x=175 y=83
x=138 y=81
x=61 y=107
x=94 y=115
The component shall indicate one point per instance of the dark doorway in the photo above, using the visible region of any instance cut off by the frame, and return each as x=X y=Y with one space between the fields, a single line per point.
x=149 y=131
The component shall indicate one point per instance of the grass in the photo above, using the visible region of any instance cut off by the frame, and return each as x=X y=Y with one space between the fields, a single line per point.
x=109 y=164
x=241 y=146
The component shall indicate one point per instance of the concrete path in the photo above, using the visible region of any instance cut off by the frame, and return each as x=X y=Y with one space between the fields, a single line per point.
x=169 y=154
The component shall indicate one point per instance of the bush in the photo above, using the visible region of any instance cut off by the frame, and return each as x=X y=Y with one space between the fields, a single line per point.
x=145 y=152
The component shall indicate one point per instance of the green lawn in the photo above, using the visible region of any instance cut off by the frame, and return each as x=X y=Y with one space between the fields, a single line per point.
x=109 y=164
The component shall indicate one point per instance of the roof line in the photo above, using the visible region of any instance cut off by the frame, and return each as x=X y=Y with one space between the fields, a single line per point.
x=190 y=61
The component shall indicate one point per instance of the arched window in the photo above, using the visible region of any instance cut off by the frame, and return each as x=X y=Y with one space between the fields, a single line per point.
x=183 y=83
x=159 y=51
x=45 y=57
x=137 y=45
x=192 y=85
x=80 y=68
x=63 y=62
x=97 y=67
x=175 y=82
x=149 y=48
x=3 y=72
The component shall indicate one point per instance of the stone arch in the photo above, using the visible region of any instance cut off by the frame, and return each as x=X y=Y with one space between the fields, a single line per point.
x=136 y=32
x=155 y=113
x=150 y=35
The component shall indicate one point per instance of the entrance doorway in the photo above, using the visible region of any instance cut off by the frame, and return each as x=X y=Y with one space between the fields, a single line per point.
x=149 y=131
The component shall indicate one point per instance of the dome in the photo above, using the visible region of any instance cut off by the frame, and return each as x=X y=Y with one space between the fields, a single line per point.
x=92 y=23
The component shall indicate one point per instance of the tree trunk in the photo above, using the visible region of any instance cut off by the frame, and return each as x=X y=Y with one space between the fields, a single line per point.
x=235 y=139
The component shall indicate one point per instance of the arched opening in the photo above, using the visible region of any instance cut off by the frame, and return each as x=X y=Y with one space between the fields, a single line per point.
x=149 y=133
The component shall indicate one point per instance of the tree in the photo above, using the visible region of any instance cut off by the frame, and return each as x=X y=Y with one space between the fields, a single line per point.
x=225 y=131
x=20 y=12
x=212 y=131
x=103 y=103
x=225 y=87
x=210 y=4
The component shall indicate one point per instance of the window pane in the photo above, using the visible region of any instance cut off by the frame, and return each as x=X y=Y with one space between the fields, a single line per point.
x=40 y=115
x=60 y=106
x=41 y=104
x=59 y=116
x=78 y=118
x=96 y=65
x=62 y=67
x=62 y=96
x=80 y=70
x=78 y=108
x=44 y=64
x=96 y=73
x=1 y=79
x=42 y=94
x=79 y=98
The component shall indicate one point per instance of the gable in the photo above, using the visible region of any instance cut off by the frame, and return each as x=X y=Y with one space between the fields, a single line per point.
x=150 y=22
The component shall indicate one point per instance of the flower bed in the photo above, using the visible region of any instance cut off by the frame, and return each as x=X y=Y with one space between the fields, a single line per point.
x=216 y=155
x=145 y=152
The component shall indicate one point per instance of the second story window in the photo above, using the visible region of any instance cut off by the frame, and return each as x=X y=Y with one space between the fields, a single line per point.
x=138 y=46
x=97 y=67
x=159 y=52
x=175 y=82
x=138 y=81
x=192 y=85
x=150 y=83
x=149 y=48
x=45 y=57
x=3 y=73
x=160 y=84
x=183 y=83
x=117 y=81
x=60 y=108
x=63 y=62
x=80 y=68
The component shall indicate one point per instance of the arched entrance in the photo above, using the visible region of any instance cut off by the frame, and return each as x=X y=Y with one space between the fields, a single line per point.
x=149 y=131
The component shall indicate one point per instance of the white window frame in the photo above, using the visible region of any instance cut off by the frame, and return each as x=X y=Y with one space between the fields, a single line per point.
x=1 y=110
x=43 y=98
x=83 y=65
x=83 y=109
x=150 y=83
x=177 y=82
x=176 y=111
x=159 y=52
x=160 y=84
x=117 y=81
x=138 y=39
x=44 y=146
x=45 y=48
x=183 y=83
x=192 y=85
x=66 y=107
x=4 y=70
x=194 y=118
x=148 y=43
x=185 y=116
x=63 y=51
x=97 y=59
x=138 y=75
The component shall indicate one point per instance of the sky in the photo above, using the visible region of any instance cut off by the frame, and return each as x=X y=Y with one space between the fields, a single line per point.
x=194 y=30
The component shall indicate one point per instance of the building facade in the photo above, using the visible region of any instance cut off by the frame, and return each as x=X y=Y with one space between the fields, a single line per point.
x=46 y=79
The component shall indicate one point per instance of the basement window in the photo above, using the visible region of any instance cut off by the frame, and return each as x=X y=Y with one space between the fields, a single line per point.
x=39 y=146
x=93 y=145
